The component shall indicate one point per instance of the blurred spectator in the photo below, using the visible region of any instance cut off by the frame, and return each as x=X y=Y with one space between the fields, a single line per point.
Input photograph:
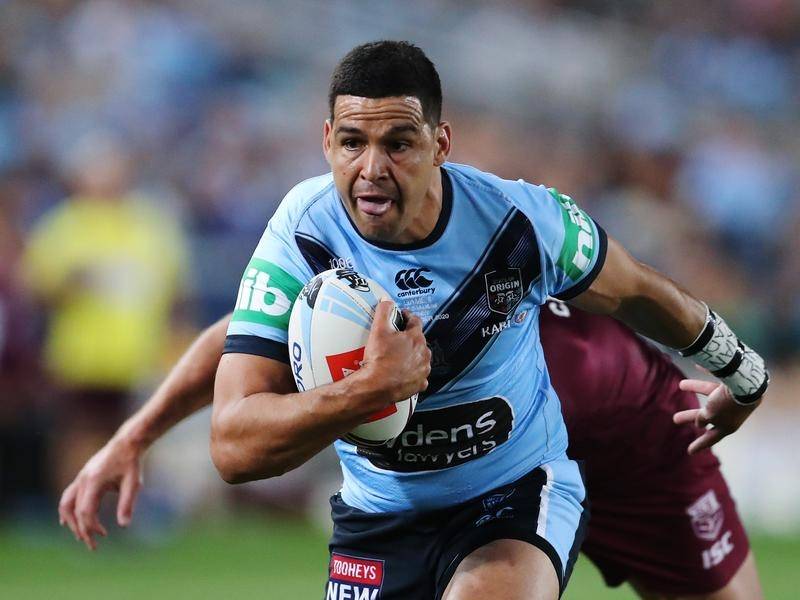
x=109 y=266
x=24 y=393
x=743 y=190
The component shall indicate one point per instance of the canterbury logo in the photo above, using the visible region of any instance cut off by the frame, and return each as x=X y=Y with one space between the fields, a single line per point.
x=412 y=279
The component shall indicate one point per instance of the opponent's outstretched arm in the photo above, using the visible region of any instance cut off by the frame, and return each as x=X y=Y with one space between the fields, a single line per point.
x=658 y=308
x=117 y=466
x=239 y=446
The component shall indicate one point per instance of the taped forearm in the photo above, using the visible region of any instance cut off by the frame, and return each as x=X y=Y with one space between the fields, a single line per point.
x=720 y=351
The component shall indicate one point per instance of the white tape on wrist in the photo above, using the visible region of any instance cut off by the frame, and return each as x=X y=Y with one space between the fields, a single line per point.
x=719 y=350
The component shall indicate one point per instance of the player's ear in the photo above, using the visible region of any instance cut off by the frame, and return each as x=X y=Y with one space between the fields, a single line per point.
x=443 y=134
x=327 y=128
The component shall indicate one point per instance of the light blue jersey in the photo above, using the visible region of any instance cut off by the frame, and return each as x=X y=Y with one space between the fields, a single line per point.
x=499 y=249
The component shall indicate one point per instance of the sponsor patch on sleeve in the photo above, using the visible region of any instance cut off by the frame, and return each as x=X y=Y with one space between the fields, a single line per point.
x=266 y=295
x=580 y=238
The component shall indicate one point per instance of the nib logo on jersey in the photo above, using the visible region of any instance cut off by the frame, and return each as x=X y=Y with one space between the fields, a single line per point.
x=354 y=578
x=266 y=295
x=413 y=282
x=445 y=437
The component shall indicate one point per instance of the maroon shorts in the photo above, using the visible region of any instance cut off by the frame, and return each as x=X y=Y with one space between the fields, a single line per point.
x=679 y=535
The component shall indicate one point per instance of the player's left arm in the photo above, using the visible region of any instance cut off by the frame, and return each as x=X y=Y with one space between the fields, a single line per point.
x=584 y=266
x=658 y=308
x=644 y=299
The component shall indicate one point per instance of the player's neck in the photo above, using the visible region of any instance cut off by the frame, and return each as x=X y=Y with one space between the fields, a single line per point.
x=425 y=221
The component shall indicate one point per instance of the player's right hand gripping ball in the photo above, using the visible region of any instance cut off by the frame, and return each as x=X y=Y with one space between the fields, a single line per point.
x=328 y=331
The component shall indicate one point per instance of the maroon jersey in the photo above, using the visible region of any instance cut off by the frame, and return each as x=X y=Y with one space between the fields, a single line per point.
x=618 y=394
x=659 y=516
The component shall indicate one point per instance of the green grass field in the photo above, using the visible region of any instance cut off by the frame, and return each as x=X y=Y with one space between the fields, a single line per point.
x=247 y=558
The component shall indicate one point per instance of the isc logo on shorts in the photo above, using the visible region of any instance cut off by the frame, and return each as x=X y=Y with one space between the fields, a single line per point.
x=718 y=551
x=353 y=578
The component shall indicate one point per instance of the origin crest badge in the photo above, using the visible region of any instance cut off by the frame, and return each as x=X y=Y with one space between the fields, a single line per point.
x=504 y=289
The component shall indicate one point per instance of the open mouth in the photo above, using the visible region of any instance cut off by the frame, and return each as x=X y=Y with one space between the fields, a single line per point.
x=374 y=206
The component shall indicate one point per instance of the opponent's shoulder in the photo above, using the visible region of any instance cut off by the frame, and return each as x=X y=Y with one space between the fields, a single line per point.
x=301 y=199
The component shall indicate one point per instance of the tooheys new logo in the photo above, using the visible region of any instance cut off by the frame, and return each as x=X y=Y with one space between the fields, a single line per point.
x=413 y=282
x=445 y=437
x=579 y=244
x=266 y=295
x=354 y=578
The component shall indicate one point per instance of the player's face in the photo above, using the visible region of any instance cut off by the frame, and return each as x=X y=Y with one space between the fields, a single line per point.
x=384 y=157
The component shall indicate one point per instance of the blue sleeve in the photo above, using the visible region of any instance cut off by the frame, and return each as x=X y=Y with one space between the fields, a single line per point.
x=270 y=284
x=573 y=247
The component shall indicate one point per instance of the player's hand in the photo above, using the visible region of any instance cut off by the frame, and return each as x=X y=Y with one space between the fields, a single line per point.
x=116 y=467
x=398 y=361
x=720 y=416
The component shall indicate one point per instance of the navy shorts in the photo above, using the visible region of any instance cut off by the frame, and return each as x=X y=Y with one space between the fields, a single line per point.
x=412 y=555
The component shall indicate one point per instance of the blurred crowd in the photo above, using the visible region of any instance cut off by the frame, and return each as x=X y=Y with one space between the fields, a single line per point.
x=145 y=143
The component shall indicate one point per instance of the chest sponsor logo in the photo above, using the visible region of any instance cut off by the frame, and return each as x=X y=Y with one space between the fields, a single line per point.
x=266 y=295
x=354 y=578
x=707 y=516
x=413 y=282
x=445 y=437
x=503 y=289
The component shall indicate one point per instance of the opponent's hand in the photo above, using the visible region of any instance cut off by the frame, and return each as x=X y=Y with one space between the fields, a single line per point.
x=720 y=412
x=398 y=361
x=117 y=466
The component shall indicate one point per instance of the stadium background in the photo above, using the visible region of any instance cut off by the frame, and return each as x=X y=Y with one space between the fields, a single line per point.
x=675 y=124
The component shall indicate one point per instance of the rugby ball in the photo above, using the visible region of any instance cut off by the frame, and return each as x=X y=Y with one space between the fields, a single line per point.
x=328 y=331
